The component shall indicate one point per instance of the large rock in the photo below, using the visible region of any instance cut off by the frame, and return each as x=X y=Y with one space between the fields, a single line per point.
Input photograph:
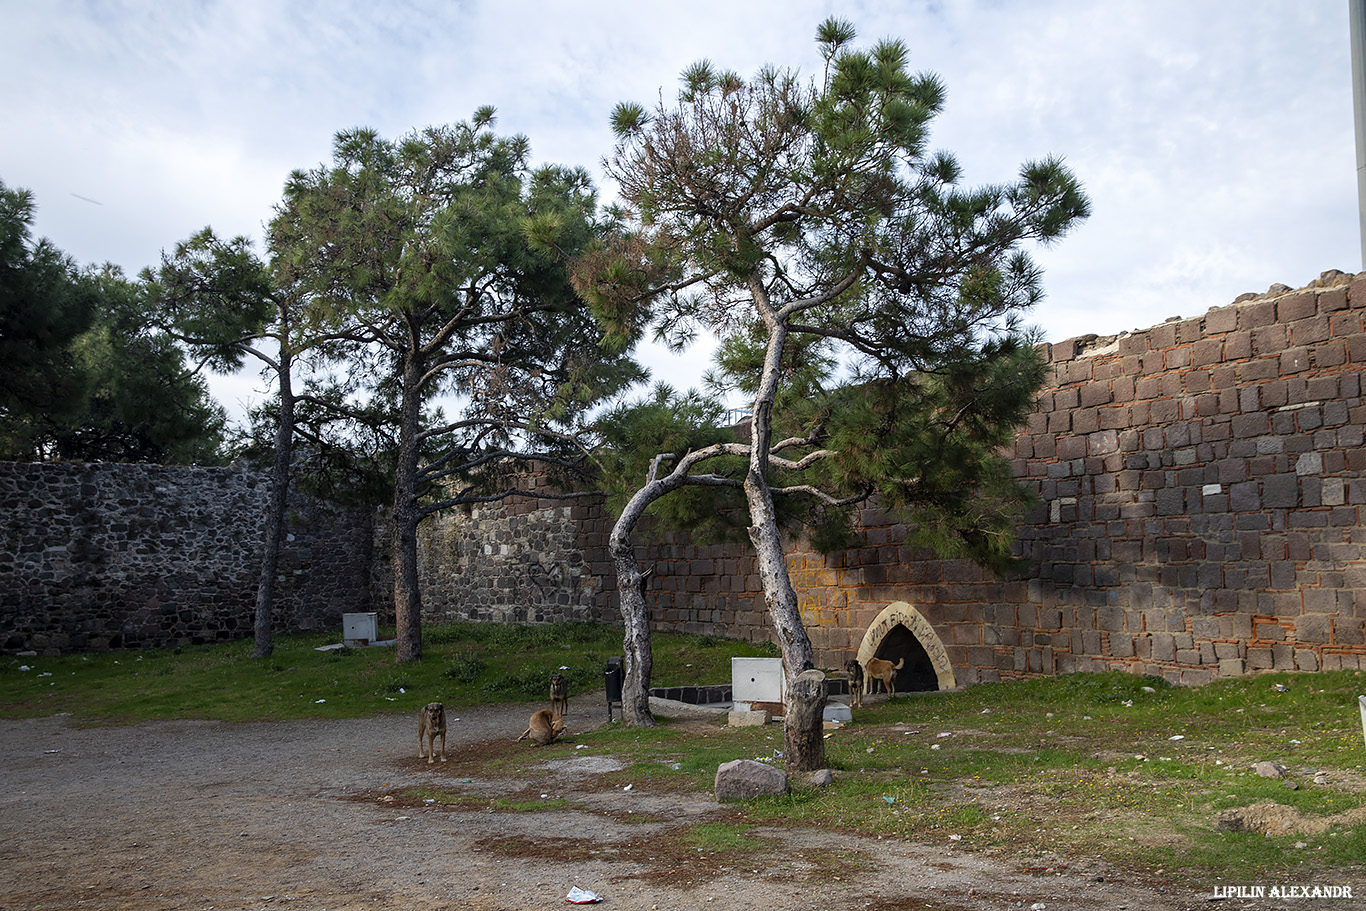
x=1269 y=769
x=742 y=779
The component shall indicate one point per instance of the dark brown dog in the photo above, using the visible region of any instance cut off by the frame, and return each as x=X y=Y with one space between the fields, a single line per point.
x=559 y=694
x=877 y=669
x=545 y=727
x=855 y=672
x=431 y=724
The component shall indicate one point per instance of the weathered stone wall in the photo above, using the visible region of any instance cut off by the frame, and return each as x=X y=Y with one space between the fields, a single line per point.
x=1201 y=491
x=1201 y=487
x=112 y=556
x=520 y=560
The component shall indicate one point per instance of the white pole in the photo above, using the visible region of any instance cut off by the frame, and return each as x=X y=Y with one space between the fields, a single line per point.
x=1356 y=26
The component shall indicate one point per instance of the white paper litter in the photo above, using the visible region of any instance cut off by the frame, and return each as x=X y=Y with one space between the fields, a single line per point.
x=579 y=896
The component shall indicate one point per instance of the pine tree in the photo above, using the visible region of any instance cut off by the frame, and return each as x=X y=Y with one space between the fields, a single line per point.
x=868 y=305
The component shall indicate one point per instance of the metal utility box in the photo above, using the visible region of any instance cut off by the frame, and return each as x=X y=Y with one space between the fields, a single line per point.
x=359 y=630
x=757 y=680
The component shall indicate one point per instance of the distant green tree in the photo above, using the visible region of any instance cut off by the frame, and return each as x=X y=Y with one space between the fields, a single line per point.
x=45 y=303
x=442 y=258
x=143 y=402
x=84 y=373
x=867 y=305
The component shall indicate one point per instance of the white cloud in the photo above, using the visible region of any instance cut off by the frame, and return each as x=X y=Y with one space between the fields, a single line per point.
x=1215 y=139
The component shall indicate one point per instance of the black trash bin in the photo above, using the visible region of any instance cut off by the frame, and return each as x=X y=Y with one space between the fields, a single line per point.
x=614 y=677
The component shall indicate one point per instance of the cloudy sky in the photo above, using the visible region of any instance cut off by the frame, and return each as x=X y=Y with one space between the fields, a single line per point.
x=1214 y=137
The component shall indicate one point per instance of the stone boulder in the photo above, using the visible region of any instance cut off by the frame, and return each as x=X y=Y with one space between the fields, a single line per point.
x=1269 y=769
x=742 y=779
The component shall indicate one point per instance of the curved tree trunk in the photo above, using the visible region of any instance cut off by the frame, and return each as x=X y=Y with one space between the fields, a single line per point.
x=275 y=517
x=635 y=615
x=635 y=695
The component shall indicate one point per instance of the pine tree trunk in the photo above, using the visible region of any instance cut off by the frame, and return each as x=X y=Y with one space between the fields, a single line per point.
x=804 y=724
x=803 y=735
x=275 y=515
x=635 y=615
x=407 y=594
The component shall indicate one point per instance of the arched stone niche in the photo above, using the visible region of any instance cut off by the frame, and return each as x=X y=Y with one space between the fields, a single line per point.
x=901 y=631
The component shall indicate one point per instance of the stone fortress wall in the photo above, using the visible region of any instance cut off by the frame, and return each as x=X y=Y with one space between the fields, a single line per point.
x=97 y=556
x=1201 y=489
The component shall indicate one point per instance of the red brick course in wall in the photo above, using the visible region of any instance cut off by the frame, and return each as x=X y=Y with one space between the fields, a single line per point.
x=1201 y=489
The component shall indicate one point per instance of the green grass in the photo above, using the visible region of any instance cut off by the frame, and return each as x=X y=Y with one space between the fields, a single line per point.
x=1081 y=765
x=463 y=664
x=1125 y=768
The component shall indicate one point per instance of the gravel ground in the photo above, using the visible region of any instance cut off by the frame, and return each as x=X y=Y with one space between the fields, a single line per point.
x=303 y=815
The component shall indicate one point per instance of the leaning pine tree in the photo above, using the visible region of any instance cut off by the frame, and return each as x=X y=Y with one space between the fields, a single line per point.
x=867 y=304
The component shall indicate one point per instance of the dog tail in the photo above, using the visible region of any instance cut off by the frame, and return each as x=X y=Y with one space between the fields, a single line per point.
x=900 y=663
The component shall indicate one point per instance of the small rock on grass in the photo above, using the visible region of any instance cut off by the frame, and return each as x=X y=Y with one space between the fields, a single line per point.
x=820 y=778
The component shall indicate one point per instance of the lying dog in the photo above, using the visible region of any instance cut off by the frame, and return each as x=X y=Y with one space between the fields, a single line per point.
x=559 y=694
x=855 y=672
x=877 y=669
x=431 y=724
x=545 y=727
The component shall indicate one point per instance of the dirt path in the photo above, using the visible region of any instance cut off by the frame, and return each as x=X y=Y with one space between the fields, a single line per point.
x=302 y=815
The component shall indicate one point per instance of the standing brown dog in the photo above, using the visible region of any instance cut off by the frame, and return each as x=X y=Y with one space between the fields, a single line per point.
x=855 y=672
x=877 y=669
x=545 y=727
x=559 y=694
x=431 y=724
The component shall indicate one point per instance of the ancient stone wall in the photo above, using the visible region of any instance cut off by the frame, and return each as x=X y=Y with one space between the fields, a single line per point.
x=1201 y=486
x=114 y=556
x=1201 y=490
x=520 y=560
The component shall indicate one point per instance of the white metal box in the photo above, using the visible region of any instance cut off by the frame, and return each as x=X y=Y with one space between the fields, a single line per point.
x=756 y=680
x=359 y=630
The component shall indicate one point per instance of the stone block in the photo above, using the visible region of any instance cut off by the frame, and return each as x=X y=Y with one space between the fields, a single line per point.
x=1316 y=628
x=1295 y=306
x=1294 y=360
x=747 y=719
x=1269 y=340
x=1309 y=331
x=1232 y=667
x=1238 y=346
x=1280 y=491
x=1164 y=647
x=745 y=779
x=1226 y=650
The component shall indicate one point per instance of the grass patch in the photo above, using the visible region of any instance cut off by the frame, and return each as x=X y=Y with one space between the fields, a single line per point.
x=1093 y=766
x=463 y=664
x=720 y=838
x=1115 y=766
